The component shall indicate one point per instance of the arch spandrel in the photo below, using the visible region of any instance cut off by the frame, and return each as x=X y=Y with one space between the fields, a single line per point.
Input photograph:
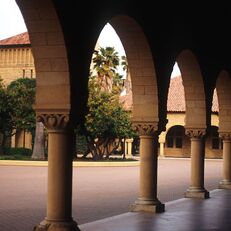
x=195 y=115
x=141 y=67
x=223 y=86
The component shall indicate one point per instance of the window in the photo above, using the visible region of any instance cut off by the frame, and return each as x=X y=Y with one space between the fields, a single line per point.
x=174 y=138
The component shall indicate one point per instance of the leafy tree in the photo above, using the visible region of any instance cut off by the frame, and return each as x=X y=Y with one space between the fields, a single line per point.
x=22 y=98
x=107 y=123
x=6 y=124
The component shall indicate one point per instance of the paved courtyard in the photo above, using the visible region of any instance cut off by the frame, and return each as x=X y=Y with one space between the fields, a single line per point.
x=98 y=192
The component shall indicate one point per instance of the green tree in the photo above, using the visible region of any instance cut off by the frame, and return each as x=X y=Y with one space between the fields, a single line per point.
x=22 y=98
x=107 y=123
x=106 y=61
x=6 y=123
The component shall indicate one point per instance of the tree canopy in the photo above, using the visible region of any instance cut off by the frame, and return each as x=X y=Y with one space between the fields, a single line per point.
x=107 y=120
x=16 y=107
x=22 y=94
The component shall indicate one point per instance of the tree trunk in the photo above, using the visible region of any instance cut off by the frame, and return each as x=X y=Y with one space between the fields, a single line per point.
x=3 y=143
x=39 y=142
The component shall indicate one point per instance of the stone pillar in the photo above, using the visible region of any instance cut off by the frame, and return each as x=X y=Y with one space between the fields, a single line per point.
x=60 y=154
x=161 y=149
x=147 y=200
x=125 y=147
x=226 y=182
x=196 y=189
x=128 y=146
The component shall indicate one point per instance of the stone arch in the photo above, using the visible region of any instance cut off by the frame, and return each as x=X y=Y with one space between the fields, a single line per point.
x=141 y=67
x=223 y=86
x=195 y=115
x=50 y=58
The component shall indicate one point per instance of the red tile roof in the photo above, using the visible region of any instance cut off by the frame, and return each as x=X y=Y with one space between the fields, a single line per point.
x=20 y=39
x=176 y=97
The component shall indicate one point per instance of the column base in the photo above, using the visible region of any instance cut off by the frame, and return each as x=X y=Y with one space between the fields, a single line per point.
x=48 y=225
x=147 y=205
x=224 y=184
x=194 y=192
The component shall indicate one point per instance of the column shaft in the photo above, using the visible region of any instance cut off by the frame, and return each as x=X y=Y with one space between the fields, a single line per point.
x=148 y=169
x=59 y=206
x=197 y=164
x=60 y=154
x=196 y=189
x=161 y=149
x=147 y=200
x=226 y=182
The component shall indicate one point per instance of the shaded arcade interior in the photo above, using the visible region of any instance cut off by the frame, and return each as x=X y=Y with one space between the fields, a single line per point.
x=62 y=55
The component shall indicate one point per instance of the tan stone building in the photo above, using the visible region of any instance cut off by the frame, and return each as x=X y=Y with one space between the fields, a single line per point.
x=173 y=141
x=200 y=44
x=16 y=61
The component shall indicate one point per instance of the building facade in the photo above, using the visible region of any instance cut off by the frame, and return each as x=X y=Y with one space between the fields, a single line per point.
x=16 y=61
x=173 y=142
x=16 y=58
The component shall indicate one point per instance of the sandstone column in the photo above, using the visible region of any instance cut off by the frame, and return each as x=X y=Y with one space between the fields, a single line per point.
x=196 y=189
x=226 y=182
x=147 y=200
x=161 y=149
x=60 y=154
x=129 y=147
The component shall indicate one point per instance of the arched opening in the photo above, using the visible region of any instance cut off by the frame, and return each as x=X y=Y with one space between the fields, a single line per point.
x=177 y=143
x=107 y=130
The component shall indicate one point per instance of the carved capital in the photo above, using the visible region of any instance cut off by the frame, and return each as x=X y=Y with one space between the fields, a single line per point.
x=53 y=121
x=145 y=128
x=195 y=132
x=225 y=135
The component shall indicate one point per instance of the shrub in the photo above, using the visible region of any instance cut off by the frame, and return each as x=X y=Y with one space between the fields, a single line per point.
x=18 y=151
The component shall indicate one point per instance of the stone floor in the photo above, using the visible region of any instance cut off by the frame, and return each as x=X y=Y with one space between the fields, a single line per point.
x=185 y=214
x=23 y=198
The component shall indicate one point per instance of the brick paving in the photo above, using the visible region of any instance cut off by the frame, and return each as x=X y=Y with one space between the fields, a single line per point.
x=98 y=192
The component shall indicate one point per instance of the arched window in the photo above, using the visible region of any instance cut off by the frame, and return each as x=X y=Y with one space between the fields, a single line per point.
x=174 y=138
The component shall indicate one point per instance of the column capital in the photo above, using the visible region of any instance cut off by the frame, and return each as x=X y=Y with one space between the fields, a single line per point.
x=225 y=135
x=195 y=132
x=145 y=128
x=53 y=121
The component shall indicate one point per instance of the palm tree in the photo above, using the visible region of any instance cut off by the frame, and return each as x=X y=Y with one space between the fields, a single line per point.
x=106 y=61
x=127 y=81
